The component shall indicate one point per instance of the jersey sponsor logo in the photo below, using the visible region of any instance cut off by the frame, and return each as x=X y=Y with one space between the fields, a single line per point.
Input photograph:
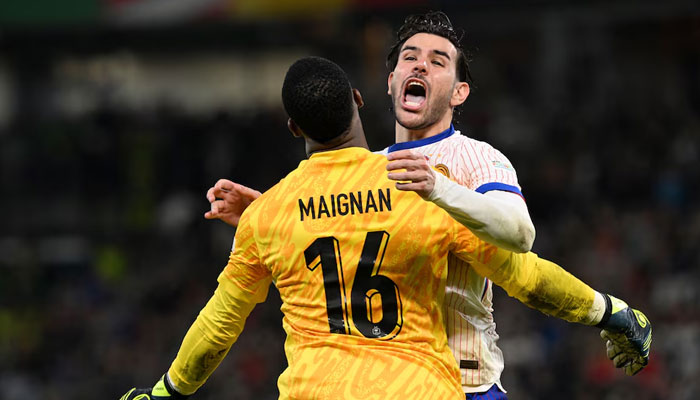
x=502 y=165
x=442 y=168
x=340 y=204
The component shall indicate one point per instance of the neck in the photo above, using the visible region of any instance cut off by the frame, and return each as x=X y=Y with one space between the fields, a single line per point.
x=354 y=137
x=404 y=134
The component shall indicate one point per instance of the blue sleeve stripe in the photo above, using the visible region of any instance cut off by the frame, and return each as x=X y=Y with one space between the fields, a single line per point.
x=487 y=187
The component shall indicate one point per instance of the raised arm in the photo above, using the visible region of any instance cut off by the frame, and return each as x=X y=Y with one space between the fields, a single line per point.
x=496 y=217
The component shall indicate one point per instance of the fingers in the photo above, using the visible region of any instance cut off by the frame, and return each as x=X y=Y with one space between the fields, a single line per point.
x=621 y=360
x=404 y=154
x=228 y=200
x=414 y=176
x=634 y=367
x=409 y=165
x=210 y=195
x=220 y=187
x=622 y=353
x=619 y=357
x=409 y=186
x=611 y=350
x=218 y=207
x=245 y=191
x=411 y=172
x=224 y=187
x=225 y=184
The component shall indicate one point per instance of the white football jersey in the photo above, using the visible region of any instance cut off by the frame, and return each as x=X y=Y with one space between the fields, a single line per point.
x=471 y=330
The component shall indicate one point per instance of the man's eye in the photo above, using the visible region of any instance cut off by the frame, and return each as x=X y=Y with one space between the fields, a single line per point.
x=409 y=58
x=436 y=62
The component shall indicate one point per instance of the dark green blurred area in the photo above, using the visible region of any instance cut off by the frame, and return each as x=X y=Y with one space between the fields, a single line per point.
x=38 y=12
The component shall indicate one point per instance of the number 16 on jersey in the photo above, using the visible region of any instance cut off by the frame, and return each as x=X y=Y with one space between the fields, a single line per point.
x=372 y=320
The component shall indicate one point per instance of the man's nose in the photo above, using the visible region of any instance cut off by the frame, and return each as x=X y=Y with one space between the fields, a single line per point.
x=421 y=67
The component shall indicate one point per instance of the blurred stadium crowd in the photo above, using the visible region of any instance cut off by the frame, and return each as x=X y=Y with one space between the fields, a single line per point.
x=111 y=133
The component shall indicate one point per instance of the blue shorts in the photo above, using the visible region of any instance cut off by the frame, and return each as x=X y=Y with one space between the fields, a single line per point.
x=492 y=394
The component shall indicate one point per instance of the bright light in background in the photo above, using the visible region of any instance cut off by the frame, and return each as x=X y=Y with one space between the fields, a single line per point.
x=196 y=85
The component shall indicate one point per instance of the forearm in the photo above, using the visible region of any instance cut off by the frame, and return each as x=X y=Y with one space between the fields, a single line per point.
x=210 y=337
x=545 y=286
x=495 y=219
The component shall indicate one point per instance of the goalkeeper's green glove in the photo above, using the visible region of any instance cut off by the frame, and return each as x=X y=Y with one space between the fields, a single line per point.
x=162 y=390
x=627 y=335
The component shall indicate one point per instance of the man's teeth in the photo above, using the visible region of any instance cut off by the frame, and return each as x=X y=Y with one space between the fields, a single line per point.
x=417 y=97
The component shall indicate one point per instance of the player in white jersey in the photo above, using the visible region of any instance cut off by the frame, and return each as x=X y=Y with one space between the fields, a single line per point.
x=428 y=79
x=470 y=327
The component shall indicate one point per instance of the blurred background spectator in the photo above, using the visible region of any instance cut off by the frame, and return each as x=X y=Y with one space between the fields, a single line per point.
x=117 y=115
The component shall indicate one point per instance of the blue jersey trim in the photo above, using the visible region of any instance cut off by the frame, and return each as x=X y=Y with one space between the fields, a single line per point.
x=494 y=393
x=487 y=187
x=422 y=142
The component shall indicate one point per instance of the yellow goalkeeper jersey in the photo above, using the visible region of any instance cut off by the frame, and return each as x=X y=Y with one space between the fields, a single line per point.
x=361 y=270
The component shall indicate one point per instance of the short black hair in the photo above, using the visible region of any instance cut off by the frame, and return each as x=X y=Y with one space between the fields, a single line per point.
x=436 y=23
x=318 y=97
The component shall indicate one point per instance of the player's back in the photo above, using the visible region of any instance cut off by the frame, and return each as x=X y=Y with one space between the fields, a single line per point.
x=361 y=270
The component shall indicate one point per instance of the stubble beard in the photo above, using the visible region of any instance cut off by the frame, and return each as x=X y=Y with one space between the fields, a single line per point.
x=431 y=116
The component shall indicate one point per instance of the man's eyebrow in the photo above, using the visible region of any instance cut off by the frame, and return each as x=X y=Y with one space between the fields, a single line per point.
x=442 y=53
x=438 y=52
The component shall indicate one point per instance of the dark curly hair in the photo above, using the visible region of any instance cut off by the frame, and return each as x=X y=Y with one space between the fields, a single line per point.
x=318 y=97
x=436 y=23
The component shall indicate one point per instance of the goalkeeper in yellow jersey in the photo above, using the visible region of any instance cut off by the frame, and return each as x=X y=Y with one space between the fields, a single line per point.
x=361 y=271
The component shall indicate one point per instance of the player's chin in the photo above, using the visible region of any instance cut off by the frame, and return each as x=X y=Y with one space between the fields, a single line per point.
x=411 y=121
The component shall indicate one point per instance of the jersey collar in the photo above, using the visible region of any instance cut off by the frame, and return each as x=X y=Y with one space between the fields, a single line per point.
x=341 y=154
x=422 y=142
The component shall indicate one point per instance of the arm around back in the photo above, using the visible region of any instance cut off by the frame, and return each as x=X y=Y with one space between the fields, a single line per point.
x=497 y=217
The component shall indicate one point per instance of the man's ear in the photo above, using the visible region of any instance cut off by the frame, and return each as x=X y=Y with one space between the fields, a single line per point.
x=357 y=96
x=294 y=128
x=460 y=94
x=388 y=83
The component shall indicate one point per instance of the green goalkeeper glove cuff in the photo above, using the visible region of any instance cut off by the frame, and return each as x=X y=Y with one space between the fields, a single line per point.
x=627 y=333
x=162 y=390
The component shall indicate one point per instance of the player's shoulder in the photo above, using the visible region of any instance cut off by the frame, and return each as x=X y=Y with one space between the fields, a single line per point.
x=373 y=159
x=271 y=197
x=383 y=152
x=482 y=150
x=470 y=142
